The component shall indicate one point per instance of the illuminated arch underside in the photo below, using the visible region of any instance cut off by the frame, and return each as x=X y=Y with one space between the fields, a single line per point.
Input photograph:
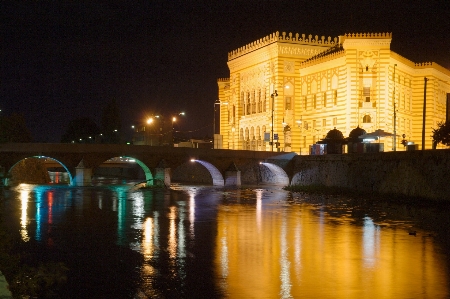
x=215 y=173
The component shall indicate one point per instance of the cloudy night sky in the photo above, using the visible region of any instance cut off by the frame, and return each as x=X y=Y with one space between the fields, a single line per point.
x=61 y=60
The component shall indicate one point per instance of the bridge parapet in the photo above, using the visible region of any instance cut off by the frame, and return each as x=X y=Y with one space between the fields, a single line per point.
x=148 y=157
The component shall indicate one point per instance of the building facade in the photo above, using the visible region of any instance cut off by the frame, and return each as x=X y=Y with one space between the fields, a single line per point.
x=286 y=92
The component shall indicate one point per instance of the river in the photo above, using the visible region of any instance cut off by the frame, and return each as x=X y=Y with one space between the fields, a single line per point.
x=208 y=242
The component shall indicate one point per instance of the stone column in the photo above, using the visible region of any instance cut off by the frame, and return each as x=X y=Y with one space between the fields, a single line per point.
x=162 y=174
x=232 y=176
x=83 y=176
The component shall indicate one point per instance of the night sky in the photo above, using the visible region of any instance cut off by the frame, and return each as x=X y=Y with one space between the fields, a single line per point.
x=61 y=60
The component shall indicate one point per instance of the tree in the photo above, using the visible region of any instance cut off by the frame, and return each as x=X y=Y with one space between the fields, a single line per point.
x=14 y=129
x=81 y=130
x=111 y=124
x=441 y=134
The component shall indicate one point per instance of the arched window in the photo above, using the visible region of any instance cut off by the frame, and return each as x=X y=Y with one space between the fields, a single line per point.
x=259 y=101
x=367 y=119
x=253 y=102
x=249 y=104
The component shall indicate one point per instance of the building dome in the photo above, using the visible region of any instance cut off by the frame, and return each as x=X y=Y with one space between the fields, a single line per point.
x=356 y=132
x=335 y=134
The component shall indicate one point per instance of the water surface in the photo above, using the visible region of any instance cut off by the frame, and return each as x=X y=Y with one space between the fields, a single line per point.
x=210 y=242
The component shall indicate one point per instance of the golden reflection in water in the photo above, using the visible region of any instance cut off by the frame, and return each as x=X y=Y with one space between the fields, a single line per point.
x=24 y=194
x=307 y=253
x=172 y=241
x=191 y=214
x=147 y=240
x=258 y=207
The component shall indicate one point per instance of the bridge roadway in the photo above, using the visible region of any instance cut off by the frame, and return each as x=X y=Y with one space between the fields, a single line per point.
x=226 y=167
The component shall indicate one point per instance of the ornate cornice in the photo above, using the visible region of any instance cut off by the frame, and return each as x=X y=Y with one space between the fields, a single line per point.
x=283 y=38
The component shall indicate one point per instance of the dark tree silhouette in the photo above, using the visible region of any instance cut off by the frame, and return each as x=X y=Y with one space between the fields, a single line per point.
x=14 y=129
x=81 y=130
x=441 y=134
x=111 y=124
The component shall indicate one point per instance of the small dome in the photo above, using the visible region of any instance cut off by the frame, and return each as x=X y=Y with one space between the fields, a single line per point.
x=356 y=132
x=335 y=134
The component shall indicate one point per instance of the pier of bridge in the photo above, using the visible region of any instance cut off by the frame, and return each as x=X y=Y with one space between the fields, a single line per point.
x=226 y=167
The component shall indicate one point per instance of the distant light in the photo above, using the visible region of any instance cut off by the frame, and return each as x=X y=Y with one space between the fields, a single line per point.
x=150 y=120
x=90 y=137
x=115 y=130
x=193 y=160
x=181 y=113
x=174 y=119
x=132 y=127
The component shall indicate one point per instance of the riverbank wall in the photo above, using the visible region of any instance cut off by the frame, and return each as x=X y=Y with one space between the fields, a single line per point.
x=423 y=174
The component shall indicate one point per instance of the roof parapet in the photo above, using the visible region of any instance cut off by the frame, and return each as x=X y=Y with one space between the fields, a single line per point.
x=288 y=38
x=368 y=35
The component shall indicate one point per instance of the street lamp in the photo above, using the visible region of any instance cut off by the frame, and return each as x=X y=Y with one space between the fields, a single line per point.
x=217 y=102
x=273 y=95
x=395 y=117
x=424 y=110
x=174 y=119
x=299 y=124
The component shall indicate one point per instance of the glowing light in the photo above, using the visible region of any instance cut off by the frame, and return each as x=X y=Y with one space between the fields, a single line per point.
x=23 y=219
x=150 y=120
x=193 y=160
x=172 y=243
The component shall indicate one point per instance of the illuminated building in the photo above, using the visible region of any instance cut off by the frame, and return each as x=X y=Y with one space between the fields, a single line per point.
x=325 y=83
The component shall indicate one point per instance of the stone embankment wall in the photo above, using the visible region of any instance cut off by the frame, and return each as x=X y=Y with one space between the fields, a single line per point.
x=413 y=173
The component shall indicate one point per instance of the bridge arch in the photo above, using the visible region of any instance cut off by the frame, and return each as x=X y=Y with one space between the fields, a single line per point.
x=217 y=177
x=149 y=178
x=6 y=178
x=273 y=174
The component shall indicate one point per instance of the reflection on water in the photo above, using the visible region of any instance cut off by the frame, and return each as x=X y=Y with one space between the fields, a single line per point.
x=207 y=242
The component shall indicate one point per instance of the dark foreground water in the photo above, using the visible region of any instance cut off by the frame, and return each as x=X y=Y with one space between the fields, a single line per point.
x=209 y=242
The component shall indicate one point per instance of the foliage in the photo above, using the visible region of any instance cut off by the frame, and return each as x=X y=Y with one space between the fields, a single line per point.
x=81 y=130
x=111 y=124
x=441 y=134
x=30 y=171
x=13 y=129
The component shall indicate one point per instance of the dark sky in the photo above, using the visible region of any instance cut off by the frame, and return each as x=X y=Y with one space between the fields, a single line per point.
x=61 y=60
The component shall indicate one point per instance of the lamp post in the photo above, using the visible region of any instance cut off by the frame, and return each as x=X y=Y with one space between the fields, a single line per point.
x=174 y=119
x=424 y=111
x=299 y=124
x=394 y=148
x=217 y=102
x=273 y=95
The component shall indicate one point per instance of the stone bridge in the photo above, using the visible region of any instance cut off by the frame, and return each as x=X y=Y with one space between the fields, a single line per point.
x=226 y=167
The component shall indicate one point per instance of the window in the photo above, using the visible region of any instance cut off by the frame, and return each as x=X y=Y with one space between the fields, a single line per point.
x=366 y=94
x=334 y=121
x=265 y=101
x=367 y=119
x=288 y=103
x=324 y=123
x=315 y=102
x=260 y=109
x=324 y=99
x=314 y=124
x=335 y=97
x=253 y=102
x=249 y=105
